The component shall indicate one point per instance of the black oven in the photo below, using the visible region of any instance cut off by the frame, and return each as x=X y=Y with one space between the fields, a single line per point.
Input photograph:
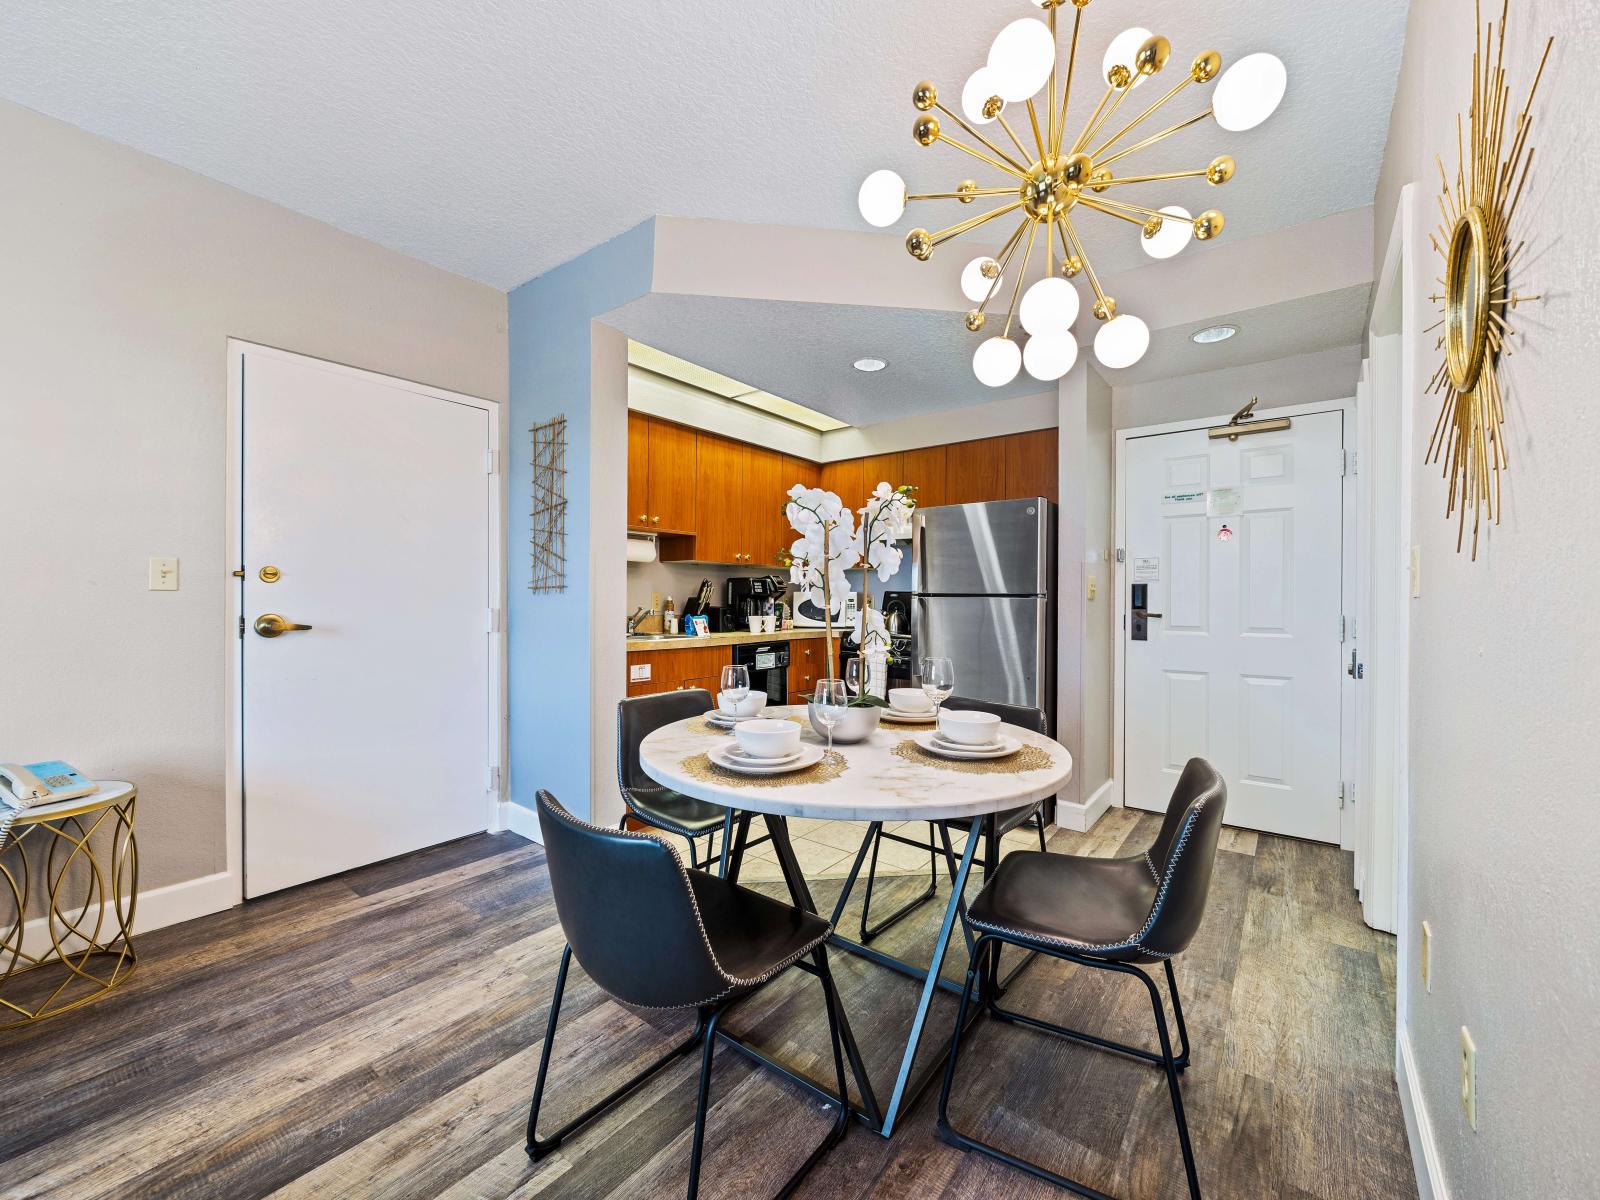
x=769 y=668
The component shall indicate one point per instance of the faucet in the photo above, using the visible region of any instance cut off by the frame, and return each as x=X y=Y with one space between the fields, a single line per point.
x=633 y=621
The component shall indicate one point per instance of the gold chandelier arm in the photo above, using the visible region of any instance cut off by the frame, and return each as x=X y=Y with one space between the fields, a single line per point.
x=1022 y=271
x=1011 y=133
x=1154 y=138
x=971 y=223
x=980 y=156
x=1200 y=173
x=992 y=148
x=1033 y=119
x=1112 y=212
x=1066 y=92
x=1102 y=203
x=1077 y=247
x=1050 y=92
x=975 y=192
x=1133 y=124
x=1108 y=114
x=1094 y=119
x=1004 y=259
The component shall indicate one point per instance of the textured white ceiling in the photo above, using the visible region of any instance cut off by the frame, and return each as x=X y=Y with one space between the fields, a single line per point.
x=498 y=138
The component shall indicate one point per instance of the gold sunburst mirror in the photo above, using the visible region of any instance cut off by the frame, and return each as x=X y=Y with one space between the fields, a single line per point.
x=1475 y=241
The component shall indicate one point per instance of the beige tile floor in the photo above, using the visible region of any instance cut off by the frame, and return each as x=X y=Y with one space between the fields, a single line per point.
x=825 y=849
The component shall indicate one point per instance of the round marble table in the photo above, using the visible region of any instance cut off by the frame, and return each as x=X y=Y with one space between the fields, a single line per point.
x=873 y=781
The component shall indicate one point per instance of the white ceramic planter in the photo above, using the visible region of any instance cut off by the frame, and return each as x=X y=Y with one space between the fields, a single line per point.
x=857 y=726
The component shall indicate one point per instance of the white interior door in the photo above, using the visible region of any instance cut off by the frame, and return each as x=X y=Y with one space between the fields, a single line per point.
x=366 y=735
x=1239 y=545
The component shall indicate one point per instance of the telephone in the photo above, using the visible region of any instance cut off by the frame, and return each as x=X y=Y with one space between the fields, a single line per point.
x=41 y=783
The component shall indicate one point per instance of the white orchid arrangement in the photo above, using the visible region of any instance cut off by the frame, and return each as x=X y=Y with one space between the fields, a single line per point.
x=831 y=542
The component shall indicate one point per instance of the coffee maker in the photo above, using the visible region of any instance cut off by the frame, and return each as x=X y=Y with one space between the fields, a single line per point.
x=747 y=596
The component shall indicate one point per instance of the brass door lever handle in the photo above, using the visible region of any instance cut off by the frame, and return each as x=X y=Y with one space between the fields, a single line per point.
x=270 y=625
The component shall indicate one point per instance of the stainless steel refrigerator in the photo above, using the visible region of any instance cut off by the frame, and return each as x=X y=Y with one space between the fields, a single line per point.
x=983 y=583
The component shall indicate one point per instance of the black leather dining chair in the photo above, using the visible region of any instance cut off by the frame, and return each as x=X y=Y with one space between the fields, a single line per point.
x=647 y=801
x=1112 y=914
x=654 y=934
x=1004 y=823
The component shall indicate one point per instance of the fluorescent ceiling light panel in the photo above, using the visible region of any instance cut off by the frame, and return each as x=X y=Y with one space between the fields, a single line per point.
x=659 y=362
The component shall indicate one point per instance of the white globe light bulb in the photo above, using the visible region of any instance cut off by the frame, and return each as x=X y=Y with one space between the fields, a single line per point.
x=996 y=362
x=1049 y=307
x=882 y=198
x=1174 y=236
x=975 y=284
x=1021 y=58
x=1050 y=357
x=981 y=85
x=1249 y=92
x=1122 y=50
x=1122 y=341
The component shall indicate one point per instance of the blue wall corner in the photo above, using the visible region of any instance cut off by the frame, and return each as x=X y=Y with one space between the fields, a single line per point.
x=549 y=635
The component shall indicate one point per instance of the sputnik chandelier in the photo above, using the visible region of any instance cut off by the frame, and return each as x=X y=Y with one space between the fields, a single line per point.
x=1051 y=181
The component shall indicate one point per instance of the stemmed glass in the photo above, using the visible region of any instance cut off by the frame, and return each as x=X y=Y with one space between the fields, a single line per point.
x=852 y=676
x=829 y=705
x=938 y=681
x=735 y=684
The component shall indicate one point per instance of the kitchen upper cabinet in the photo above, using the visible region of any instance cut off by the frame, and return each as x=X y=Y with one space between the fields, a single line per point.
x=882 y=468
x=719 y=480
x=661 y=475
x=847 y=480
x=1031 y=460
x=975 y=471
x=765 y=485
x=924 y=470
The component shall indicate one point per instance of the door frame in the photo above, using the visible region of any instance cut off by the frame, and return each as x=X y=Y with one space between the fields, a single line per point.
x=494 y=477
x=1347 y=570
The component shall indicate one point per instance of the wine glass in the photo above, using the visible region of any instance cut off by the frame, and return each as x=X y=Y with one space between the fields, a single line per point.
x=938 y=681
x=735 y=684
x=852 y=676
x=829 y=705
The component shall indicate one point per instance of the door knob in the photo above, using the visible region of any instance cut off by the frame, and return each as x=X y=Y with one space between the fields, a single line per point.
x=271 y=625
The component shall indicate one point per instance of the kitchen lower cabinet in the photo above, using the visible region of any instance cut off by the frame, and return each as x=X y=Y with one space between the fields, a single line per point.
x=679 y=669
x=808 y=662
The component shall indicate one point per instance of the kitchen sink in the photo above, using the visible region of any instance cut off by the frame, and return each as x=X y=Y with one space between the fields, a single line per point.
x=658 y=637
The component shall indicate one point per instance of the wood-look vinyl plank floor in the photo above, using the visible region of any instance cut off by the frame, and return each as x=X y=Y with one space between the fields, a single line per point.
x=376 y=1035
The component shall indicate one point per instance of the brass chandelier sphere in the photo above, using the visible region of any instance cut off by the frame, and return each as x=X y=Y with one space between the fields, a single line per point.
x=1052 y=181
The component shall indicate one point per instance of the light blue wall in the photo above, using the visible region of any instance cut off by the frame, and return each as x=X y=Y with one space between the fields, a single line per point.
x=549 y=634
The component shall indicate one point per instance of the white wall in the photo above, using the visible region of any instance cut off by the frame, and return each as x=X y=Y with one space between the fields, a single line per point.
x=1303 y=379
x=1504 y=820
x=1099 y=613
x=123 y=277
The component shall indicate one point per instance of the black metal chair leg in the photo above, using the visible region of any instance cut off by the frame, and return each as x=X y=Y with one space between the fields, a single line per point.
x=870 y=932
x=539 y=1149
x=1171 y=1066
x=1039 y=817
x=841 y=1122
x=1182 y=1060
x=694 y=862
x=702 y=1103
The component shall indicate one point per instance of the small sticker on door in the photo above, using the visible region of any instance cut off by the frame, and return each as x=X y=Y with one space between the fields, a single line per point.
x=1224 y=534
x=1223 y=502
x=1186 y=495
x=1147 y=570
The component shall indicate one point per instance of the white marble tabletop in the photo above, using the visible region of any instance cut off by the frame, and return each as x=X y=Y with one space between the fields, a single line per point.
x=876 y=785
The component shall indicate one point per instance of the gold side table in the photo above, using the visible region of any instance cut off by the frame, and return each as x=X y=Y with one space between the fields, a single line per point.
x=88 y=945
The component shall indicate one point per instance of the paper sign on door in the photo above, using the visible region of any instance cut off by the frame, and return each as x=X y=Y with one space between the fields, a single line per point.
x=1187 y=495
x=1147 y=570
x=1224 y=502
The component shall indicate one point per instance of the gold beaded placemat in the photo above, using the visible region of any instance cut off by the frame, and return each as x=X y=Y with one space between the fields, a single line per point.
x=700 y=766
x=1029 y=758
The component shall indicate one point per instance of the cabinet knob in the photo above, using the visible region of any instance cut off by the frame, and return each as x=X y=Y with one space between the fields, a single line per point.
x=655 y=520
x=644 y=518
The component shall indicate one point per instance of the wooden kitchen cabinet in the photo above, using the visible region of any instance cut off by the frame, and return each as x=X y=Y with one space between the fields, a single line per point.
x=924 y=470
x=975 y=471
x=808 y=662
x=1031 y=462
x=679 y=668
x=765 y=485
x=882 y=468
x=718 y=480
x=847 y=480
x=662 y=492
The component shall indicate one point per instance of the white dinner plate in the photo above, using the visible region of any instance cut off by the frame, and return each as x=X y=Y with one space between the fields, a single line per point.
x=933 y=744
x=949 y=743
x=717 y=717
x=756 y=760
x=809 y=755
x=925 y=717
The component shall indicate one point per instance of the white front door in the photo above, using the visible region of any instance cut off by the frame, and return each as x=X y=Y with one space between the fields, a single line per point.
x=1239 y=548
x=366 y=507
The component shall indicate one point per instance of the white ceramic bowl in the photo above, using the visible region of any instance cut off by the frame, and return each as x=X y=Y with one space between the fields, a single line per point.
x=748 y=707
x=768 y=738
x=909 y=700
x=969 y=728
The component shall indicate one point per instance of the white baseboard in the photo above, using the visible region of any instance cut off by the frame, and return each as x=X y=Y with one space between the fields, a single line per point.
x=520 y=820
x=1082 y=816
x=157 y=908
x=1419 y=1128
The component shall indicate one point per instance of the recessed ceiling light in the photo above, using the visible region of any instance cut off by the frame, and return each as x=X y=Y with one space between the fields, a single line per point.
x=870 y=364
x=1213 y=333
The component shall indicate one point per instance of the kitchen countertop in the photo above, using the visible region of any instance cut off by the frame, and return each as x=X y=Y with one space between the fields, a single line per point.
x=726 y=639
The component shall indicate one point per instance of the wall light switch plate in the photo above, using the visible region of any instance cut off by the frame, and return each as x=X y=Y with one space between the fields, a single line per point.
x=1427 y=957
x=639 y=673
x=1469 y=1077
x=1416 y=572
x=163 y=574
x=1091 y=587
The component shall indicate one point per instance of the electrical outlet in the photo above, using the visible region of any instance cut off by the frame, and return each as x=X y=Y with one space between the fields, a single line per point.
x=163 y=575
x=1469 y=1078
x=1427 y=957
